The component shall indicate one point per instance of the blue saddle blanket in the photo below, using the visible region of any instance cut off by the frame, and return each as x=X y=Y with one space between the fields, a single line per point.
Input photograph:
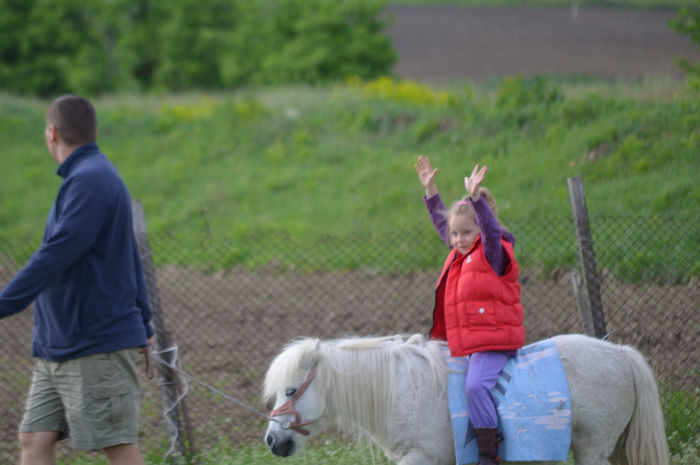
x=533 y=403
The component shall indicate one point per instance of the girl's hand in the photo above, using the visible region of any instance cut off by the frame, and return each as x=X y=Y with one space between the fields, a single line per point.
x=426 y=175
x=472 y=183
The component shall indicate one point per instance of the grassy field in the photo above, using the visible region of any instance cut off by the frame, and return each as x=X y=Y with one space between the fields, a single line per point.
x=312 y=162
x=318 y=452
x=682 y=429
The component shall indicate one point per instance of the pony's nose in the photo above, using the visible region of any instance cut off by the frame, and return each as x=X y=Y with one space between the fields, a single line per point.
x=281 y=447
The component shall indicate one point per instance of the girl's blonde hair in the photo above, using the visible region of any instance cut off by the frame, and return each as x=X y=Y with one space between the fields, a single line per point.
x=464 y=207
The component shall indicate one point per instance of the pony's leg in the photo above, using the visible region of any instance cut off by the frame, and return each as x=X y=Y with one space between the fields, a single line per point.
x=415 y=458
x=589 y=457
x=591 y=443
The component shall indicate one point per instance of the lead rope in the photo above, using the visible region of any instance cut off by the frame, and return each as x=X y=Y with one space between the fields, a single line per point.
x=184 y=376
x=173 y=365
x=184 y=388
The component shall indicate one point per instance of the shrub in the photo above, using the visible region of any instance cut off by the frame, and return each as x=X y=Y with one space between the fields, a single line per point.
x=50 y=47
x=386 y=88
x=689 y=453
x=688 y=23
x=316 y=41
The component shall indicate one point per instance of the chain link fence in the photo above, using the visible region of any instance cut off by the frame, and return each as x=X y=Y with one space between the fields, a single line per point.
x=227 y=324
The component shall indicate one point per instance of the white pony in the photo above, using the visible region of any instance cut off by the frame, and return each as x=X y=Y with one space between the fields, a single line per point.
x=393 y=390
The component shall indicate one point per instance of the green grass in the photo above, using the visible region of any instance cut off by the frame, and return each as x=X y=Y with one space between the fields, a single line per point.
x=682 y=416
x=318 y=452
x=309 y=167
x=680 y=412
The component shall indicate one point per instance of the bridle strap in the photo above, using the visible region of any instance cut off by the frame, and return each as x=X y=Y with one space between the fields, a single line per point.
x=288 y=407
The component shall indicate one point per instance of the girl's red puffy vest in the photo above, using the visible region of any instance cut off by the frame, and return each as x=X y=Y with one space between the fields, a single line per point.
x=475 y=309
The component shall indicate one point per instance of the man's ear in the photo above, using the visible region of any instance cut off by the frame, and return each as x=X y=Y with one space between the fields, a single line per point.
x=51 y=133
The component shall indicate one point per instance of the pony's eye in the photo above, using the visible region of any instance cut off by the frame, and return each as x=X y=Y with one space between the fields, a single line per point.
x=290 y=391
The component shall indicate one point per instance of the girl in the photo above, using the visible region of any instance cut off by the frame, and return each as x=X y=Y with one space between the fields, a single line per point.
x=477 y=300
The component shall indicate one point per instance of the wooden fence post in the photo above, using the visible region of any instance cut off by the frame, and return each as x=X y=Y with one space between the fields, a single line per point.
x=587 y=287
x=163 y=341
x=583 y=307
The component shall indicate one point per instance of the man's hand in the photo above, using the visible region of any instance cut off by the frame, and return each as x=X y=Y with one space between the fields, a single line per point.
x=149 y=344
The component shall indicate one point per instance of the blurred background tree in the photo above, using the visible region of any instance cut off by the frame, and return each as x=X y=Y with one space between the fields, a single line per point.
x=55 y=46
x=688 y=23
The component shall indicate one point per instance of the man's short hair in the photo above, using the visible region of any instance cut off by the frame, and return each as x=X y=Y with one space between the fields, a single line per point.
x=75 y=119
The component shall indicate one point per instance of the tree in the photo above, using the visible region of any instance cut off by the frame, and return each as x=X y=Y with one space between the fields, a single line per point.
x=688 y=23
x=49 y=47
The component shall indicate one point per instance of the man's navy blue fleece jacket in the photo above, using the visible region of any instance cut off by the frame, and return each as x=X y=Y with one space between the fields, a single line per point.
x=86 y=279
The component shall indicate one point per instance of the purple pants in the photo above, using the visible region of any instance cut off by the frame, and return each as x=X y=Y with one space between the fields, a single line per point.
x=482 y=376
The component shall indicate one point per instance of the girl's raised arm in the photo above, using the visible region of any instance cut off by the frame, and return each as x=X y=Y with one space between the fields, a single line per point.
x=426 y=175
x=433 y=202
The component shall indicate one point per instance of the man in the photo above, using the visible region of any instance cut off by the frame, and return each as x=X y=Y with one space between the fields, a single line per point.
x=91 y=312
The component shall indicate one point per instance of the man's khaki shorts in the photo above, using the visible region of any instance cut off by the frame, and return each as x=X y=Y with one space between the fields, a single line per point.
x=94 y=400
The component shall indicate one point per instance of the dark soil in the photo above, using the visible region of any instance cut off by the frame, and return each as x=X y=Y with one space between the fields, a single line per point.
x=229 y=325
x=449 y=43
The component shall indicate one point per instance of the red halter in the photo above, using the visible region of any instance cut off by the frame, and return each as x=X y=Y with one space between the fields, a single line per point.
x=288 y=407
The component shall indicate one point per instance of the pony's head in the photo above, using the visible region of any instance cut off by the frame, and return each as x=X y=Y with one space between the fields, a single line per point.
x=356 y=383
x=298 y=407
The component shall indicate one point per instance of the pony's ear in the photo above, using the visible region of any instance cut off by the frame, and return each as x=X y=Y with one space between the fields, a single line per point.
x=312 y=357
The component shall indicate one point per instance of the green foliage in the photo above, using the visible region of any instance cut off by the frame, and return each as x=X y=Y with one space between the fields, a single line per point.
x=682 y=416
x=688 y=23
x=289 y=175
x=50 y=47
x=689 y=453
x=316 y=41
x=386 y=88
x=516 y=92
x=47 y=46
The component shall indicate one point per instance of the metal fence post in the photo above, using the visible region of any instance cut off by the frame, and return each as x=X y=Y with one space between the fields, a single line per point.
x=588 y=294
x=163 y=341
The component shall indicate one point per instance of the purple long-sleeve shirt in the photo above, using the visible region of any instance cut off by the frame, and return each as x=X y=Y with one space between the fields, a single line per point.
x=491 y=231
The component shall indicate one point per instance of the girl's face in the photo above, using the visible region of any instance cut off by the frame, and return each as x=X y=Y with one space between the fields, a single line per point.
x=463 y=232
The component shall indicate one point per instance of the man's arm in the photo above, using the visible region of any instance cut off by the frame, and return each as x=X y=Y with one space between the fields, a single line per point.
x=142 y=296
x=77 y=225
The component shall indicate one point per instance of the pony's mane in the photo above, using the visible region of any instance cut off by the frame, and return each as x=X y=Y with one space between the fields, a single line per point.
x=285 y=369
x=355 y=375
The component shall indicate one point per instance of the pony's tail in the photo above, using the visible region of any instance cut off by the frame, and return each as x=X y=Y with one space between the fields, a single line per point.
x=645 y=436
